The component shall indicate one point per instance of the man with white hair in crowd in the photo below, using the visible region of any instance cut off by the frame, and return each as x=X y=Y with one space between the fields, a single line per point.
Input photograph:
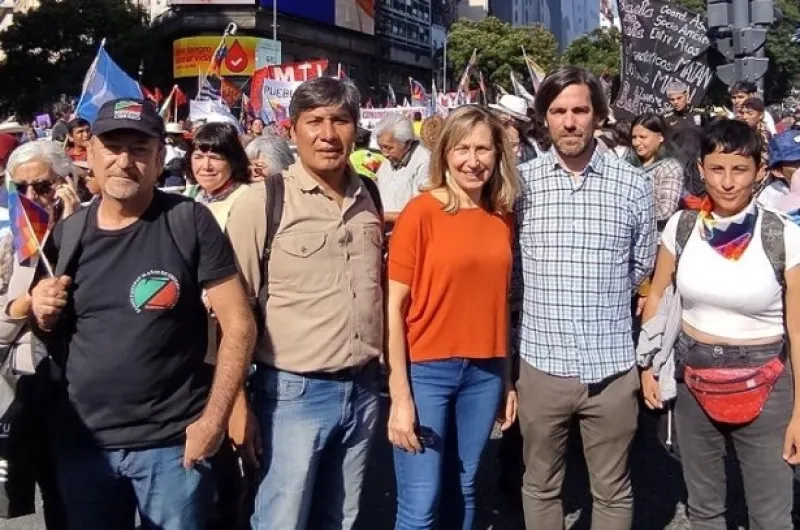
x=269 y=155
x=682 y=110
x=406 y=172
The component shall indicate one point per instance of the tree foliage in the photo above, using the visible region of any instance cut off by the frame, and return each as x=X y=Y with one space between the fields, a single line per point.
x=784 y=55
x=597 y=51
x=49 y=49
x=499 y=47
x=698 y=6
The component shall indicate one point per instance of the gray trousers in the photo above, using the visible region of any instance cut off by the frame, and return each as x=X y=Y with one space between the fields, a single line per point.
x=758 y=445
x=606 y=414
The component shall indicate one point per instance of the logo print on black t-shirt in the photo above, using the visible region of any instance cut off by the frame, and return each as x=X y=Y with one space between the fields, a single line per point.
x=155 y=291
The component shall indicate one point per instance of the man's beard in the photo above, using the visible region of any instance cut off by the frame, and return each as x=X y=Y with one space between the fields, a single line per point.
x=121 y=188
x=571 y=146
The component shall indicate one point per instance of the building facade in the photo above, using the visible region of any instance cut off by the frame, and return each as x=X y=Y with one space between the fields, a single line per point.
x=475 y=10
x=567 y=19
x=403 y=31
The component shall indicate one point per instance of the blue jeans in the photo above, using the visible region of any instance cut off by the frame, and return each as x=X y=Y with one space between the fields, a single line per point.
x=457 y=402
x=316 y=436
x=102 y=489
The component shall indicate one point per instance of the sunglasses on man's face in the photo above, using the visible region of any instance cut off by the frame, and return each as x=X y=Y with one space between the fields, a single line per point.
x=43 y=187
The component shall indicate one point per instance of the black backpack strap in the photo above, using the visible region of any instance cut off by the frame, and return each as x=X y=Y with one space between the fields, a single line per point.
x=273 y=209
x=182 y=224
x=375 y=193
x=70 y=242
x=772 y=239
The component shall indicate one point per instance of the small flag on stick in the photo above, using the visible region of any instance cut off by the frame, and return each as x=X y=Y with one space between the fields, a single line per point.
x=29 y=226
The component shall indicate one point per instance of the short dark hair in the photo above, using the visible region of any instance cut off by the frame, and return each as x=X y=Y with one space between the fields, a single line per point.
x=652 y=122
x=417 y=116
x=566 y=76
x=756 y=104
x=325 y=92
x=731 y=137
x=745 y=87
x=257 y=119
x=77 y=123
x=621 y=133
x=222 y=139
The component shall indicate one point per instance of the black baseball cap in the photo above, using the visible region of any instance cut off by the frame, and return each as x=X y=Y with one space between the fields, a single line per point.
x=129 y=114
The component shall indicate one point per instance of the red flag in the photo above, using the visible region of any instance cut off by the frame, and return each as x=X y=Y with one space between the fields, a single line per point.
x=148 y=95
x=256 y=86
x=29 y=224
x=180 y=97
x=159 y=96
x=230 y=92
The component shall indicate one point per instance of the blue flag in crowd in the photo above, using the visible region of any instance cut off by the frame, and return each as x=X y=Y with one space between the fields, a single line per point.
x=105 y=81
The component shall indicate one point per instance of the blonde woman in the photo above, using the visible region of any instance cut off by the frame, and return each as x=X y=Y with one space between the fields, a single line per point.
x=449 y=273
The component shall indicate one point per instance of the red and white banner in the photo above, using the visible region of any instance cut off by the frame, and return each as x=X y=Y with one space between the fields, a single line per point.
x=288 y=72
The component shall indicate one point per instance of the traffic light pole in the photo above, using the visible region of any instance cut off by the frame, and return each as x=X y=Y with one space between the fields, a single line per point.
x=739 y=28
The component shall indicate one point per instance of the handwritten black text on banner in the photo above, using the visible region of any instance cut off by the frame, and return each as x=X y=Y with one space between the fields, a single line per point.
x=661 y=43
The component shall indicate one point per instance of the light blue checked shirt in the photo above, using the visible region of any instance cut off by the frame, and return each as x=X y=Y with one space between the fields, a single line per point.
x=582 y=249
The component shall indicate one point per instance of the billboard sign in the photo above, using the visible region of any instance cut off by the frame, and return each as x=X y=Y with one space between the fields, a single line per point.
x=191 y=56
x=356 y=15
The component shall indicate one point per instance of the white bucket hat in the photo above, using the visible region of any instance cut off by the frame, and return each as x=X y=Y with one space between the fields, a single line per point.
x=514 y=106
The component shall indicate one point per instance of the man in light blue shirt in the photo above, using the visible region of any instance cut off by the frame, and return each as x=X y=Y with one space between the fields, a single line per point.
x=586 y=241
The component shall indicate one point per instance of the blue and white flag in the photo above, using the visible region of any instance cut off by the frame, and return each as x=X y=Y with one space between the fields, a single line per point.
x=105 y=81
x=208 y=91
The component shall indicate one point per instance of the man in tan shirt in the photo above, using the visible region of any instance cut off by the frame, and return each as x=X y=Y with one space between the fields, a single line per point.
x=315 y=392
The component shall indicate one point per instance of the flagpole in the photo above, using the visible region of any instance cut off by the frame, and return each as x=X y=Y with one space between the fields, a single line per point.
x=230 y=30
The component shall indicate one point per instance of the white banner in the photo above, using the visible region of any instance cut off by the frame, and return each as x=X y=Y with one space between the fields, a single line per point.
x=276 y=96
x=371 y=117
x=212 y=111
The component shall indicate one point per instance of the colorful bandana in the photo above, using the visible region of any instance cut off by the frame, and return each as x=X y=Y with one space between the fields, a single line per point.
x=729 y=236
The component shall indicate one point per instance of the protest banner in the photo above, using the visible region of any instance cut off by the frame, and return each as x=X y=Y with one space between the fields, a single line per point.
x=300 y=71
x=661 y=43
x=371 y=117
x=277 y=95
x=288 y=72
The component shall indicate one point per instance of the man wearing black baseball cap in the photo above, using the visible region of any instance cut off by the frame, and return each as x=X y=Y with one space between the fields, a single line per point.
x=124 y=321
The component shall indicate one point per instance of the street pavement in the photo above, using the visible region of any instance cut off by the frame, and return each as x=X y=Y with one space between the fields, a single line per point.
x=658 y=491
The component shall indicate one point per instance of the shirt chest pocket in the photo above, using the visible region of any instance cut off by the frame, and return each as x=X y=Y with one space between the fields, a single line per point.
x=302 y=247
x=301 y=261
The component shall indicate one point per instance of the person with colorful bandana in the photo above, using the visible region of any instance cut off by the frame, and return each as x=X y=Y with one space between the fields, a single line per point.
x=735 y=260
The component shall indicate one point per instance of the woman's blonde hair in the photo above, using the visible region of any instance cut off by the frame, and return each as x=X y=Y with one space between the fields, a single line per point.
x=503 y=187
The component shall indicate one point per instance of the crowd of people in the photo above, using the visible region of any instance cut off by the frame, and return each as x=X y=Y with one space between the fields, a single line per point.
x=205 y=335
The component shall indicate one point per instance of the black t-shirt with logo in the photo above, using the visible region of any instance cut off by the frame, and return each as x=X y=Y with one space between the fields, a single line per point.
x=134 y=371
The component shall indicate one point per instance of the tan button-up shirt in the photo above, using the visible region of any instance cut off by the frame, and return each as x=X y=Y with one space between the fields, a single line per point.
x=324 y=311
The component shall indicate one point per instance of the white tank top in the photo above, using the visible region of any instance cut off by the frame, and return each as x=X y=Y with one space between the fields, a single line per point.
x=738 y=299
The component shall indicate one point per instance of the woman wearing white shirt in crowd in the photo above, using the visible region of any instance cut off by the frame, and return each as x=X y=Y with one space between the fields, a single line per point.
x=733 y=317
